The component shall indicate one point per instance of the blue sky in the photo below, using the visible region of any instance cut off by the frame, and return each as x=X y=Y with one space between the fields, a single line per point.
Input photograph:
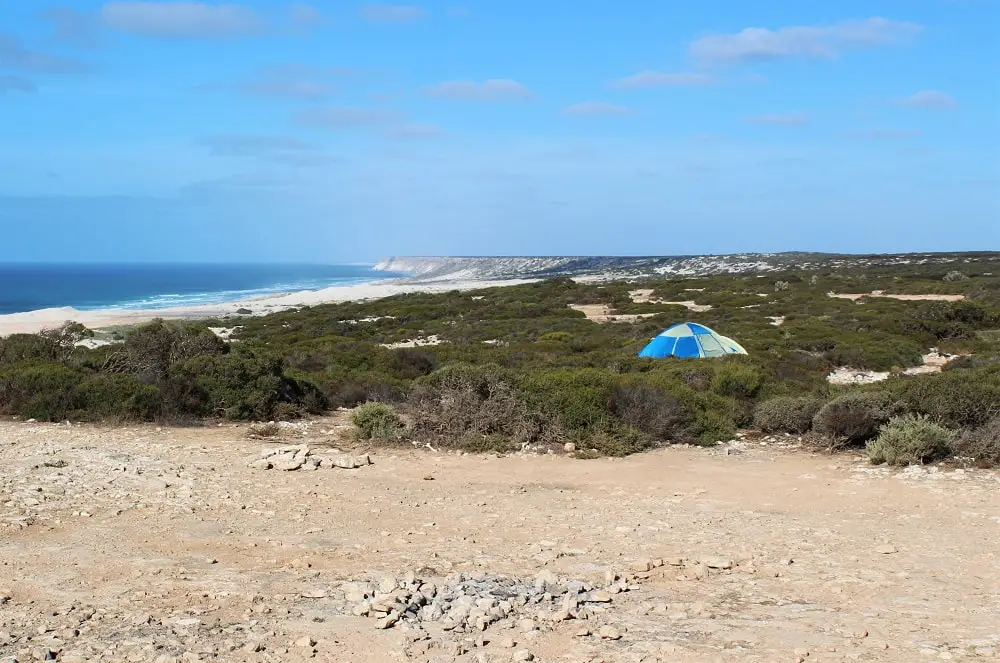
x=337 y=131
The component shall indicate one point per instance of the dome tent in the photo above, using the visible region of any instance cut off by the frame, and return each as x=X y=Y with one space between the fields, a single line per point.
x=689 y=339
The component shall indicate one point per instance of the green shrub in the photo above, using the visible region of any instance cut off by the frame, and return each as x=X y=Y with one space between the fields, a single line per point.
x=982 y=445
x=377 y=422
x=786 y=414
x=855 y=417
x=246 y=383
x=47 y=392
x=118 y=397
x=618 y=439
x=738 y=380
x=962 y=398
x=556 y=337
x=910 y=440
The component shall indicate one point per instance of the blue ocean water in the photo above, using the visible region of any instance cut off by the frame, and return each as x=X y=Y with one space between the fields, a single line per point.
x=29 y=287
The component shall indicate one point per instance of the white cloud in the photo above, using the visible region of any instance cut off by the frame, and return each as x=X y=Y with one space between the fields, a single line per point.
x=660 y=79
x=494 y=89
x=780 y=119
x=931 y=100
x=180 y=19
x=596 y=109
x=800 y=41
x=392 y=13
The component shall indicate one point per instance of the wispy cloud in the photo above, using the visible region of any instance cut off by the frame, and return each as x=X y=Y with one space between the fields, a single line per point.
x=13 y=55
x=15 y=84
x=71 y=26
x=930 y=100
x=181 y=19
x=303 y=15
x=780 y=119
x=416 y=132
x=884 y=134
x=284 y=150
x=287 y=81
x=392 y=13
x=341 y=118
x=650 y=78
x=596 y=109
x=494 y=89
x=800 y=41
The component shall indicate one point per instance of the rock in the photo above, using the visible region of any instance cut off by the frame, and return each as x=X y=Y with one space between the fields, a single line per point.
x=610 y=633
x=305 y=642
x=253 y=646
x=545 y=580
x=351 y=462
x=598 y=596
x=388 y=621
x=718 y=562
x=642 y=566
x=569 y=447
x=288 y=462
x=523 y=655
x=507 y=643
x=886 y=549
x=582 y=633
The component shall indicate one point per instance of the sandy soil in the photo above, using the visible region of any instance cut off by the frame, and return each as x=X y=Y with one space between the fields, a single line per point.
x=147 y=544
x=35 y=321
x=907 y=298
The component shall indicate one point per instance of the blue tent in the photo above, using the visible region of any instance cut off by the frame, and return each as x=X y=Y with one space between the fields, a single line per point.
x=691 y=340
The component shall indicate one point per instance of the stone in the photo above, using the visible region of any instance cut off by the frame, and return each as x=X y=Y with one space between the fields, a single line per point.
x=718 y=562
x=886 y=549
x=610 y=633
x=569 y=447
x=388 y=621
x=523 y=655
x=642 y=566
x=305 y=642
x=582 y=632
x=598 y=596
x=507 y=643
x=288 y=462
x=545 y=580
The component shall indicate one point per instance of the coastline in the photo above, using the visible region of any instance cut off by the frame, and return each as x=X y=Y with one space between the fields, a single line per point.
x=32 y=322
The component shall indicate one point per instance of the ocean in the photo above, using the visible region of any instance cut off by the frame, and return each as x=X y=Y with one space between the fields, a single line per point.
x=29 y=287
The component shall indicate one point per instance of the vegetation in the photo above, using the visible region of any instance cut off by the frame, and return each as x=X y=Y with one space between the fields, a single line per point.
x=910 y=440
x=516 y=366
x=787 y=414
x=378 y=422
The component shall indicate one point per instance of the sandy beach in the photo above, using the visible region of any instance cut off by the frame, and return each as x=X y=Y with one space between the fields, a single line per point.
x=32 y=322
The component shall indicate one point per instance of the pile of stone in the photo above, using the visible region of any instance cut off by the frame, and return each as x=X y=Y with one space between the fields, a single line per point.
x=470 y=603
x=301 y=457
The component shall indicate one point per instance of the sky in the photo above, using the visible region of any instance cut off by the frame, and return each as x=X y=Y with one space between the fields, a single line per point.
x=335 y=131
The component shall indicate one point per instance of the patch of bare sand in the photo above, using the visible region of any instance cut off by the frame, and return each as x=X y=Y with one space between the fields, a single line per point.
x=914 y=298
x=133 y=544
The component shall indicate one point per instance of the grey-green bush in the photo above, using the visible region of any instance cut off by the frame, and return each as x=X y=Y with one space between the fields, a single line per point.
x=787 y=414
x=855 y=417
x=378 y=422
x=982 y=445
x=910 y=440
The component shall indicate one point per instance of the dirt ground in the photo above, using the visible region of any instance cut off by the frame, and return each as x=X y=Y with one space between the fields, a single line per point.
x=149 y=544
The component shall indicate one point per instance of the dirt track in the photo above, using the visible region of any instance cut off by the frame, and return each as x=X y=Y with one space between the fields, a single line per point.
x=163 y=545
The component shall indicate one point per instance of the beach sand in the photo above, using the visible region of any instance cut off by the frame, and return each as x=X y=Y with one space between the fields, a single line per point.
x=33 y=322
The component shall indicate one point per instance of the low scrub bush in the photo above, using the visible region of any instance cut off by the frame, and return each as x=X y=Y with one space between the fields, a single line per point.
x=856 y=417
x=263 y=430
x=377 y=422
x=982 y=445
x=910 y=440
x=738 y=380
x=786 y=414
x=651 y=411
x=966 y=398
